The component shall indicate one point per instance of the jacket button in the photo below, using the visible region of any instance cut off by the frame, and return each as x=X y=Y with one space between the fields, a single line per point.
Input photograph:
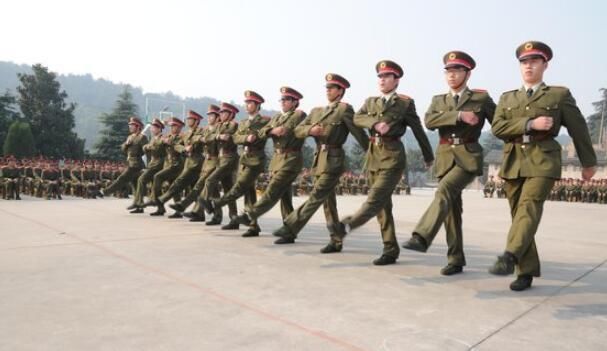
x=526 y=107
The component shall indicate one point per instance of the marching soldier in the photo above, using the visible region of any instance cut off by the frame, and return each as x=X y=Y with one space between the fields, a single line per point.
x=155 y=153
x=459 y=117
x=528 y=119
x=210 y=151
x=252 y=160
x=287 y=161
x=10 y=175
x=133 y=148
x=173 y=162
x=387 y=118
x=192 y=147
x=227 y=165
x=330 y=126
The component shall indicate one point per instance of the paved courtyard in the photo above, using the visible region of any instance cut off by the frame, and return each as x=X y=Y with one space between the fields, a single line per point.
x=87 y=275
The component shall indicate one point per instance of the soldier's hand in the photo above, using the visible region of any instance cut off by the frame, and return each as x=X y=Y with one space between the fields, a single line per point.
x=224 y=137
x=469 y=118
x=588 y=172
x=278 y=131
x=542 y=123
x=251 y=138
x=188 y=148
x=382 y=128
x=316 y=130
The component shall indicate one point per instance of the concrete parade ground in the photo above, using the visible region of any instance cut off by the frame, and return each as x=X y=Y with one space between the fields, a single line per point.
x=87 y=275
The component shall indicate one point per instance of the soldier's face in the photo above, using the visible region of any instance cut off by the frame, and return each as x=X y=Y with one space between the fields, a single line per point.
x=456 y=77
x=132 y=128
x=251 y=107
x=175 y=129
x=387 y=82
x=155 y=130
x=287 y=104
x=212 y=118
x=192 y=122
x=225 y=116
x=333 y=93
x=532 y=69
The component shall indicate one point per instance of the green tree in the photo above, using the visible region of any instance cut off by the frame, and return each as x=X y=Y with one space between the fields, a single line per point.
x=19 y=141
x=491 y=142
x=355 y=158
x=594 y=120
x=116 y=128
x=7 y=114
x=43 y=105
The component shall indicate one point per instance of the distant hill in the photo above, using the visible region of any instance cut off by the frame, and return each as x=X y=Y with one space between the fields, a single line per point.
x=96 y=96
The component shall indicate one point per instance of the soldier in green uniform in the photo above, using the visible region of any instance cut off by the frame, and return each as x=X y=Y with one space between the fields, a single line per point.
x=227 y=165
x=459 y=117
x=51 y=181
x=89 y=181
x=252 y=160
x=210 y=151
x=330 y=126
x=287 y=161
x=10 y=175
x=192 y=147
x=133 y=148
x=173 y=163
x=528 y=119
x=155 y=153
x=387 y=118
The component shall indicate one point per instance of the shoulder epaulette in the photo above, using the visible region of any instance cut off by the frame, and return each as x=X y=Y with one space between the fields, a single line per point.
x=404 y=97
x=479 y=90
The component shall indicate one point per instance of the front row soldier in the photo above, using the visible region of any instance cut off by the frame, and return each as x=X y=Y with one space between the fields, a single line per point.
x=329 y=126
x=133 y=148
x=155 y=153
x=387 y=118
x=192 y=147
x=527 y=120
x=287 y=161
x=459 y=116
x=252 y=160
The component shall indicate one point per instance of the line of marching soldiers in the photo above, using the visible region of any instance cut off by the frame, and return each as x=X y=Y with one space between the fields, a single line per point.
x=526 y=119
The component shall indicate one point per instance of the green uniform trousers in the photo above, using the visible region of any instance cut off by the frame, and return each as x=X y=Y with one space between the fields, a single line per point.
x=222 y=176
x=379 y=203
x=186 y=178
x=526 y=197
x=446 y=209
x=244 y=185
x=128 y=176
x=279 y=188
x=142 y=184
x=322 y=193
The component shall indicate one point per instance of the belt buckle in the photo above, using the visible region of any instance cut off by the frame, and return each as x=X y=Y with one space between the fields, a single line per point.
x=323 y=147
x=526 y=139
x=246 y=149
x=456 y=141
x=278 y=151
x=377 y=140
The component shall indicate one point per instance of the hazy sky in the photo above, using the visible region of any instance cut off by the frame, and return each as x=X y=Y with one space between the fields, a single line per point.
x=221 y=48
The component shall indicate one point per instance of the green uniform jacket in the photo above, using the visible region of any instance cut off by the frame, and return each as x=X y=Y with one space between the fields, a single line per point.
x=51 y=174
x=337 y=121
x=399 y=112
x=173 y=147
x=211 y=147
x=133 y=148
x=292 y=159
x=10 y=172
x=155 y=151
x=539 y=158
x=192 y=138
x=443 y=114
x=254 y=153
x=228 y=151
